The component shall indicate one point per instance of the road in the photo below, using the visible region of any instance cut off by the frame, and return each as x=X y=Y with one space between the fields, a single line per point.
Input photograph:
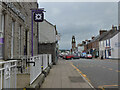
x=100 y=73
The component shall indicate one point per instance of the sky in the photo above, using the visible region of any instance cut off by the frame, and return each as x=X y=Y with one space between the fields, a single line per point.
x=81 y=19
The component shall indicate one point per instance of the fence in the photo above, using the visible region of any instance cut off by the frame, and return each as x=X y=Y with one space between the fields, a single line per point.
x=40 y=63
x=8 y=74
x=50 y=58
x=35 y=68
x=31 y=65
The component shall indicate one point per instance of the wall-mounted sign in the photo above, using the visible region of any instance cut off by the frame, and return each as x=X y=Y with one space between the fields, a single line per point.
x=38 y=16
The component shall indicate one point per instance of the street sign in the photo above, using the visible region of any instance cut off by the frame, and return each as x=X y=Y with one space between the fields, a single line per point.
x=38 y=16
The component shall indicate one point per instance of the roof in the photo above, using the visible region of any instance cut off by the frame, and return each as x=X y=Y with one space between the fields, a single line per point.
x=109 y=34
x=98 y=37
x=49 y=23
x=105 y=35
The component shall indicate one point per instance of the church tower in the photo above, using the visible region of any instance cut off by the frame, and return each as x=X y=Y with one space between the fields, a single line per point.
x=73 y=43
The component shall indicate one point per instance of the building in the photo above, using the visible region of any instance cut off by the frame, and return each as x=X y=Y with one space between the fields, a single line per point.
x=48 y=39
x=15 y=31
x=80 y=48
x=109 y=44
x=92 y=46
x=74 y=48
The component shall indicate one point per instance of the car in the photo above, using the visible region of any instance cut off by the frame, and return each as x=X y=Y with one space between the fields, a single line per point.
x=89 y=56
x=76 y=57
x=69 y=57
x=83 y=55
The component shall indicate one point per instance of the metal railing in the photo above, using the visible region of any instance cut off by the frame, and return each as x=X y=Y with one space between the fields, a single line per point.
x=50 y=58
x=33 y=65
x=41 y=62
x=8 y=74
x=35 y=68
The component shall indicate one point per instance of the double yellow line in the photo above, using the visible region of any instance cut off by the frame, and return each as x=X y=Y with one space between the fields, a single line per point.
x=85 y=76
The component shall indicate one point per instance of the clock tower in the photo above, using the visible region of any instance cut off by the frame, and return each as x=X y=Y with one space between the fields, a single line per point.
x=73 y=43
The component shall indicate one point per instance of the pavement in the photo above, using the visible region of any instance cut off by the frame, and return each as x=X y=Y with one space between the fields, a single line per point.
x=64 y=75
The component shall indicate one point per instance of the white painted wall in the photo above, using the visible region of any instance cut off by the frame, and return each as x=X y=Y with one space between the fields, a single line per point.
x=47 y=33
x=102 y=45
x=115 y=46
x=80 y=48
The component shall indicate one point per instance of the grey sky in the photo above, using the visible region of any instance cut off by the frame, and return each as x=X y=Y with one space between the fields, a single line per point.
x=80 y=19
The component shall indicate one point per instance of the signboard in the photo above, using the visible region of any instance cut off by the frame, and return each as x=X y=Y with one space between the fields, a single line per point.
x=38 y=16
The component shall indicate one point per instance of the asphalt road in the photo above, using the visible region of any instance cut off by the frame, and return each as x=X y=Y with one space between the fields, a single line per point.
x=101 y=73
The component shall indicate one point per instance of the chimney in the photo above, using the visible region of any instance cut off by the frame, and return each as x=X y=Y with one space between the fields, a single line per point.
x=83 y=42
x=93 y=37
x=102 y=31
x=114 y=27
x=119 y=27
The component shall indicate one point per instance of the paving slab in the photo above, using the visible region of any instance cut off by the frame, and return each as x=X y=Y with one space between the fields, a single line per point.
x=63 y=75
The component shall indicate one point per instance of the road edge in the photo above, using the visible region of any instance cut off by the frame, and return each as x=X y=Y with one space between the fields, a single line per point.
x=83 y=76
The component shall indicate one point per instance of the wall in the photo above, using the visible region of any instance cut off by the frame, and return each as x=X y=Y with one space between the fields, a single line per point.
x=115 y=46
x=47 y=33
x=10 y=16
x=48 y=48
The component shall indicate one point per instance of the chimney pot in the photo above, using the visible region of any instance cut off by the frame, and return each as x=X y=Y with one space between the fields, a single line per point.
x=102 y=31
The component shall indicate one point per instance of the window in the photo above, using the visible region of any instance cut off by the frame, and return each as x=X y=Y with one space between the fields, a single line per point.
x=1 y=34
x=12 y=39
x=20 y=27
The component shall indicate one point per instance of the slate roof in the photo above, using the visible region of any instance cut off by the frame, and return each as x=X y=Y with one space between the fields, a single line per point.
x=109 y=34
x=105 y=35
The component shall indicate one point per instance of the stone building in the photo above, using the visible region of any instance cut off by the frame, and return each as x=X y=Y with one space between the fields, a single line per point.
x=15 y=31
x=48 y=39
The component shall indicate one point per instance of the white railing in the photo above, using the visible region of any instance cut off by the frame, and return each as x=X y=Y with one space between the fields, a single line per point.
x=31 y=65
x=50 y=58
x=45 y=61
x=39 y=65
x=35 y=68
x=8 y=74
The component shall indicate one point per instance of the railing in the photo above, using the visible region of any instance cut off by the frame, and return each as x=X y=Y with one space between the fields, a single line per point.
x=8 y=74
x=40 y=64
x=35 y=69
x=45 y=61
x=31 y=65
x=50 y=59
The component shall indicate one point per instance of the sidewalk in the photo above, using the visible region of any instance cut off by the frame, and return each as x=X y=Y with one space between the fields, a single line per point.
x=63 y=75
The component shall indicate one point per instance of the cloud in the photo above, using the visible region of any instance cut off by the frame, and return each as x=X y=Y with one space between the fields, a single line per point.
x=80 y=19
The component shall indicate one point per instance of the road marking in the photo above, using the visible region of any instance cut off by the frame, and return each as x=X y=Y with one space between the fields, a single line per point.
x=106 y=86
x=117 y=71
x=83 y=76
x=110 y=68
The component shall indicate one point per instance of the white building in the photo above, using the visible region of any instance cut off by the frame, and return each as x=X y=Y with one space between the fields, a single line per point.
x=115 y=46
x=109 y=46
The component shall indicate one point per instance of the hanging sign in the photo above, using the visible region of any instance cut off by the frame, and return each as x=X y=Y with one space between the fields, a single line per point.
x=38 y=16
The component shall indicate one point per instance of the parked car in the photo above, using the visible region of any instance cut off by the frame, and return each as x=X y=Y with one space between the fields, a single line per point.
x=76 y=57
x=83 y=55
x=89 y=56
x=69 y=57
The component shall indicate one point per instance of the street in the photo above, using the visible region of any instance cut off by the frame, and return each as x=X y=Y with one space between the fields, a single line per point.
x=100 y=73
